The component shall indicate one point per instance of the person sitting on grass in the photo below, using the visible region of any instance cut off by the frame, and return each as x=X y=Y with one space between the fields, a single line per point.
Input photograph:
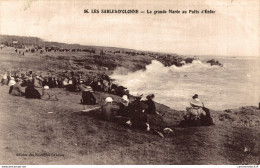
x=4 y=80
x=31 y=92
x=46 y=94
x=151 y=105
x=123 y=107
x=87 y=95
x=108 y=110
x=11 y=84
x=195 y=111
x=17 y=89
x=138 y=119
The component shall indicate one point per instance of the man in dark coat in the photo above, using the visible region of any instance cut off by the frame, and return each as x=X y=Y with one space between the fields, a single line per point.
x=151 y=105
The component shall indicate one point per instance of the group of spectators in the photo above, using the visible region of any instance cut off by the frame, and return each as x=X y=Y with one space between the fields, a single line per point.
x=38 y=83
x=133 y=113
x=130 y=113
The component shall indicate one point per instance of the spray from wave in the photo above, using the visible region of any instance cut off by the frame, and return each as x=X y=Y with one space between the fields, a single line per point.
x=172 y=86
x=219 y=87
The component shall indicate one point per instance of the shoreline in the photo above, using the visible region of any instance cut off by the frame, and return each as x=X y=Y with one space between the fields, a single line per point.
x=75 y=63
x=82 y=138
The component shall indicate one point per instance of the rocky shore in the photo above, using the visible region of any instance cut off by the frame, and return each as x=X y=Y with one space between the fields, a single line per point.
x=61 y=127
x=60 y=64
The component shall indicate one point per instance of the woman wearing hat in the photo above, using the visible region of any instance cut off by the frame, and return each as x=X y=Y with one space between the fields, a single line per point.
x=108 y=110
x=151 y=105
x=17 y=89
x=123 y=107
x=196 y=102
x=195 y=111
x=11 y=84
x=87 y=95
x=4 y=80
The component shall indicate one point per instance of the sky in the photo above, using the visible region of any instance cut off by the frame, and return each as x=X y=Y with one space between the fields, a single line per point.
x=232 y=31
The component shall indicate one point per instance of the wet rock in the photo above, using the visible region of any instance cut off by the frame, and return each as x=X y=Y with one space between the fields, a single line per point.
x=228 y=111
x=214 y=62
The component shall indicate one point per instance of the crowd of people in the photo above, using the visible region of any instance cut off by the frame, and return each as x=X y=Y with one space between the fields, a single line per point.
x=71 y=82
x=129 y=113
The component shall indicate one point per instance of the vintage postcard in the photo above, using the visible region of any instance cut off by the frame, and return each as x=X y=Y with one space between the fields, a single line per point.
x=116 y=82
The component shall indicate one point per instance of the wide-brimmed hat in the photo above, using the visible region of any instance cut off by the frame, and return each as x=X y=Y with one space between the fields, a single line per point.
x=109 y=100
x=125 y=98
x=81 y=81
x=195 y=96
x=46 y=87
x=196 y=102
x=137 y=95
x=12 y=78
x=88 y=89
x=150 y=96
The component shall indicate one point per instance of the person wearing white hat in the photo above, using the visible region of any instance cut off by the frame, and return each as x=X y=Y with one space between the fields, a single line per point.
x=196 y=102
x=45 y=92
x=4 y=80
x=109 y=100
x=108 y=110
x=17 y=89
x=195 y=111
x=123 y=107
x=11 y=84
x=125 y=100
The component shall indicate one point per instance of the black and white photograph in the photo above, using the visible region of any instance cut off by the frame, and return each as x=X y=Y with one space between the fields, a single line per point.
x=113 y=82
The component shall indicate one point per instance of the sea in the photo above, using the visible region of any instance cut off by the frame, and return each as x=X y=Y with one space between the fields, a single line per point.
x=235 y=84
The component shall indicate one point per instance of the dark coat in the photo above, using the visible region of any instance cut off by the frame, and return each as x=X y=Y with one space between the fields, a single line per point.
x=137 y=116
x=123 y=110
x=151 y=107
x=88 y=98
x=31 y=92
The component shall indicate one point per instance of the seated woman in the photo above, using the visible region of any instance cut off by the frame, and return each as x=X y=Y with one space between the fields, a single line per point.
x=4 y=80
x=17 y=89
x=195 y=111
x=108 y=110
x=123 y=107
x=87 y=96
x=11 y=84
x=138 y=119
x=151 y=105
x=46 y=94
x=31 y=92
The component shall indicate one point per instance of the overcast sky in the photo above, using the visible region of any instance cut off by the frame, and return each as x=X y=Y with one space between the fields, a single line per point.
x=232 y=31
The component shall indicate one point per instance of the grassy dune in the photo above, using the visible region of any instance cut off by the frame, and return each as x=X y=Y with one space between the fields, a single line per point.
x=27 y=126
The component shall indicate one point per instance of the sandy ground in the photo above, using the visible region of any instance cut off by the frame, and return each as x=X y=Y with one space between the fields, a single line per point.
x=65 y=136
